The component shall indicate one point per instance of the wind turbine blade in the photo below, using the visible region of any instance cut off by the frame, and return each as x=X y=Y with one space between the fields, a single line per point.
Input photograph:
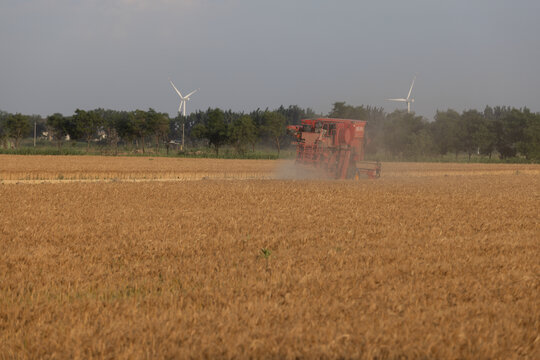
x=410 y=90
x=402 y=100
x=178 y=92
x=191 y=93
x=180 y=107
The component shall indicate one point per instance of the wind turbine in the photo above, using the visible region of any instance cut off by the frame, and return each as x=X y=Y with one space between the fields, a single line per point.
x=183 y=99
x=408 y=100
x=182 y=107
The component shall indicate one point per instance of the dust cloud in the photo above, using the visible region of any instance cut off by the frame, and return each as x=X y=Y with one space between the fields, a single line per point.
x=289 y=170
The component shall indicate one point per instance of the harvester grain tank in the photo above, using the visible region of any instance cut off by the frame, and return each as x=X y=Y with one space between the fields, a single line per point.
x=335 y=146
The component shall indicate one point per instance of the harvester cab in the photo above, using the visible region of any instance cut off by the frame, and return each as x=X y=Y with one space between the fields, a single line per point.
x=335 y=146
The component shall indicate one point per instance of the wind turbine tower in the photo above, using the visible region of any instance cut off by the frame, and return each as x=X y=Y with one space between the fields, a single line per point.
x=182 y=107
x=407 y=100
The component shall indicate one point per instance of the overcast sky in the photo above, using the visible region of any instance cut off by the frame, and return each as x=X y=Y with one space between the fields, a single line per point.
x=59 y=55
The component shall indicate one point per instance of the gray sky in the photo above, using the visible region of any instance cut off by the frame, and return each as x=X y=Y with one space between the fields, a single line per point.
x=59 y=55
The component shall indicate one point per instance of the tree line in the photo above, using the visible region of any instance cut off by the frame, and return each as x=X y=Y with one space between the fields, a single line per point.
x=502 y=131
x=214 y=128
x=499 y=131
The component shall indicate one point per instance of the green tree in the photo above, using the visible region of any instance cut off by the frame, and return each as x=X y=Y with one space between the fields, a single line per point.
x=374 y=129
x=217 y=129
x=199 y=131
x=142 y=125
x=402 y=133
x=190 y=122
x=242 y=132
x=474 y=133
x=421 y=144
x=293 y=114
x=17 y=126
x=125 y=127
x=274 y=127
x=509 y=131
x=529 y=146
x=151 y=122
x=111 y=125
x=3 y=130
x=445 y=131
x=87 y=124
x=59 y=126
x=162 y=129
x=341 y=110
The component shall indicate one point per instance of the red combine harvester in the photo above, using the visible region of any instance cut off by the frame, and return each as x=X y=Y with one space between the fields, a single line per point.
x=335 y=146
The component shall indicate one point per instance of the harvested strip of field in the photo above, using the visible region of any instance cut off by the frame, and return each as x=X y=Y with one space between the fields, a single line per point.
x=37 y=169
x=141 y=177
x=128 y=168
x=430 y=267
x=403 y=170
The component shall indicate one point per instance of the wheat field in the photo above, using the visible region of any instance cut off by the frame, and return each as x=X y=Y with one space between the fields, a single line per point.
x=430 y=261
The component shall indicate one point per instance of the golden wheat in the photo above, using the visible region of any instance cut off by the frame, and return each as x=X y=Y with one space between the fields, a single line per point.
x=411 y=266
x=96 y=168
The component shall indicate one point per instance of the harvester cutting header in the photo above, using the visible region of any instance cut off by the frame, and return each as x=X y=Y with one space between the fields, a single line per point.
x=335 y=146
